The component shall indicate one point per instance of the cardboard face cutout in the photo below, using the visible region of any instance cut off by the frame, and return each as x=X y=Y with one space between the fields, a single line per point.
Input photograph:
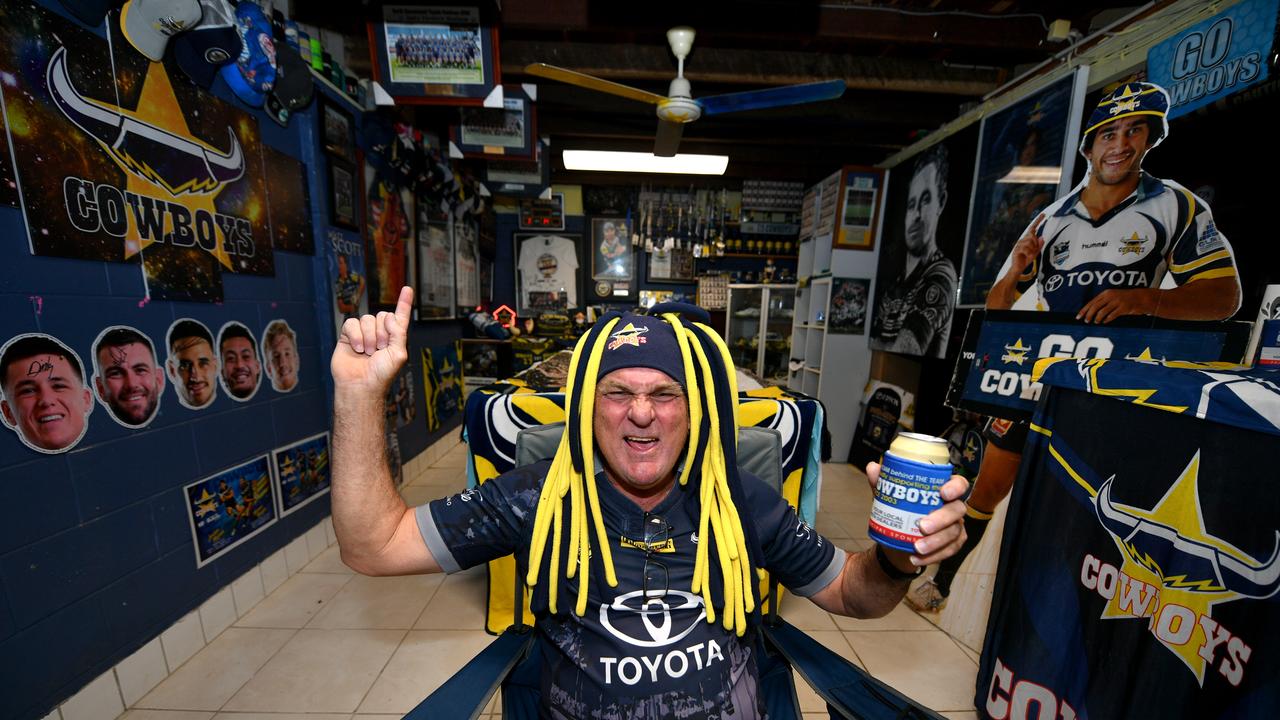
x=280 y=351
x=43 y=394
x=241 y=367
x=127 y=377
x=192 y=365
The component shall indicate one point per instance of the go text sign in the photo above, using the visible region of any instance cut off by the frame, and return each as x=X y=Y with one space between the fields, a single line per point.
x=1216 y=58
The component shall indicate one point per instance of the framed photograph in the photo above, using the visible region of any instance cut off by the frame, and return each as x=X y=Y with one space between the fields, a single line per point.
x=849 y=300
x=435 y=269
x=506 y=132
x=520 y=178
x=342 y=195
x=861 y=194
x=443 y=55
x=612 y=257
x=547 y=272
x=337 y=131
x=671 y=266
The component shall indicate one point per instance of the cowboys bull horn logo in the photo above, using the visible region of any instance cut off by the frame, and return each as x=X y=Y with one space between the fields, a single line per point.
x=180 y=165
x=1188 y=562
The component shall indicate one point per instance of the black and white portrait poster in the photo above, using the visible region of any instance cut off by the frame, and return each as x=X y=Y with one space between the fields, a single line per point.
x=924 y=229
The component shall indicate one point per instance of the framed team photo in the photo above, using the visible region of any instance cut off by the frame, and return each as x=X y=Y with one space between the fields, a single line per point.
x=342 y=195
x=443 y=55
x=337 y=131
x=506 y=132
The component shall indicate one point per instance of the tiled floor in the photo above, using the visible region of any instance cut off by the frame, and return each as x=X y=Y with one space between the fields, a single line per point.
x=331 y=645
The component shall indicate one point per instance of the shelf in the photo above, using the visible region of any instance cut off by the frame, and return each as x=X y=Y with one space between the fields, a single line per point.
x=809 y=326
x=749 y=255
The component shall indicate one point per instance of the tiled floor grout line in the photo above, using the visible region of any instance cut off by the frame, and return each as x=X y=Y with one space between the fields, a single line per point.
x=264 y=664
x=381 y=670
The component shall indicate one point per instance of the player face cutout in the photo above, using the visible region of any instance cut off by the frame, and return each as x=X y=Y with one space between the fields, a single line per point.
x=128 y=382
x=46 y=402
x=1118 y=150
x=194 y=370
x=282 y=362
x=241 y=370
x=925 y=201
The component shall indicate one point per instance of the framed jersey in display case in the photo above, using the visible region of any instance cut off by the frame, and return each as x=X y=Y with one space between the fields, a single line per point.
x=547 y=272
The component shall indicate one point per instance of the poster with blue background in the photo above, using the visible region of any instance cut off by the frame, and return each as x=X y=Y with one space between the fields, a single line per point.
x=230 y=507
x=1216 y=58
x=302 y=471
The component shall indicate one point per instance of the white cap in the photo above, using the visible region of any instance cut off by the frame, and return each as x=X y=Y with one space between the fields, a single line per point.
x=148 y=24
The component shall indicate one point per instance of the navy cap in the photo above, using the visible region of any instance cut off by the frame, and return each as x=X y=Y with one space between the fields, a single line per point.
x=204 y=49
x=642 y=341
x=294 y=86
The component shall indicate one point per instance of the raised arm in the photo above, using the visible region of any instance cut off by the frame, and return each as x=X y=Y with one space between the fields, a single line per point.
x=377 y=532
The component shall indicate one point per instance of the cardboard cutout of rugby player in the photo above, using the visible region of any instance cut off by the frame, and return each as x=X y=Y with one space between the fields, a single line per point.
x=127 y=377
x=280 y=350
x=43 y=394
x=241 y=368
x=192 y=364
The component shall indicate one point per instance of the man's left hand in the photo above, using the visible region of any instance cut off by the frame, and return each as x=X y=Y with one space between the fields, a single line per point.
x=942 y=530
x=1111 y=304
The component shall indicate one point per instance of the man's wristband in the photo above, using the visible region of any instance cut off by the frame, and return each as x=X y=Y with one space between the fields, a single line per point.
x=888 y=568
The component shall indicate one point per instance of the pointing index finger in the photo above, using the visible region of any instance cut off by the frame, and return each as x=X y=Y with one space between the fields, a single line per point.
x=404 y=306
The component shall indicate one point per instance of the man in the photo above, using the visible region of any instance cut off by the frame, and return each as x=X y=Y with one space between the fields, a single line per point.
x=127 y=378
x=913 y=316
x=1121 y=243
x=281 y=347
x=192 y=365
x=628 y=438
x=241 y=371
x=44 y=398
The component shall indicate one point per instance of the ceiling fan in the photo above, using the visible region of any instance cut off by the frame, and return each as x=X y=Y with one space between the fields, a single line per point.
x=679 y=107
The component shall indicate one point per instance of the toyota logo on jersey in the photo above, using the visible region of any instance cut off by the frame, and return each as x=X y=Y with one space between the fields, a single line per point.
x=631 y=613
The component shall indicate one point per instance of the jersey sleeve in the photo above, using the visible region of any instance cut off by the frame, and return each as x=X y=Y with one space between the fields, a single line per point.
x=483 y=523
x=1200 y=251
x=794 y=553
x=931 y=314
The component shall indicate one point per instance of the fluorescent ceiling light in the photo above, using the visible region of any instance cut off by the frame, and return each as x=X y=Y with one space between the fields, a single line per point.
x=1033 y=175
x=612 y=161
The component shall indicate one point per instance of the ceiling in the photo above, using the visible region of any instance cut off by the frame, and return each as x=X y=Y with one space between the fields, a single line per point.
x=910 y=66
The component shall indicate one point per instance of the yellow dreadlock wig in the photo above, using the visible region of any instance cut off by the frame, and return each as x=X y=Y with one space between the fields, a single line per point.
x=728 y=558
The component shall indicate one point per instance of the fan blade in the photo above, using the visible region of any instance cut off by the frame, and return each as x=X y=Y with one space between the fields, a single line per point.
x=573 y=77
x=771 y=97
x=667 y=141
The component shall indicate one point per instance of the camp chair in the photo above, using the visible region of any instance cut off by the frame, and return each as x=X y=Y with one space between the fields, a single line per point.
x=513 y=660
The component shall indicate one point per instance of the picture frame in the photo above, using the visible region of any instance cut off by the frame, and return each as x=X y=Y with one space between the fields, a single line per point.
x=546 y=256
x=520 y=178
x=671 y=266
x=612 y=256
x=507 y=132
x=343 y=197
x=436 y=283
x=337 y=131
x=860 y=199
x=435 y=55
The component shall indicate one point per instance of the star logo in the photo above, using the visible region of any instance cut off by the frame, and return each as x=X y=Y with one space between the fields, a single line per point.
x=1015 y=353
x=629 y=335
x=1132 y=245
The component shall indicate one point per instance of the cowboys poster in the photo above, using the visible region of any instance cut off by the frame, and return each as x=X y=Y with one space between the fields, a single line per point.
x=119 y=160
x=1138 y=583
x=442 y=376
x=230 y=507
x=301 y=471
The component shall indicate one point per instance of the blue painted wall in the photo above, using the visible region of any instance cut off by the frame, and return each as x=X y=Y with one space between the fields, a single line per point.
x=96 y=553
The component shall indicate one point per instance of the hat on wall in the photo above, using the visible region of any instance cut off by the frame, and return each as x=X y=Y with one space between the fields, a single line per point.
x=89 y=12
x=253 y=74
x=148 y=24
x=208 y=46
x=293 y=88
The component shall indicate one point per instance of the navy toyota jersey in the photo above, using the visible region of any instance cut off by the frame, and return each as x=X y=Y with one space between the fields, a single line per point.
x=1161 y=236
x=629 y=656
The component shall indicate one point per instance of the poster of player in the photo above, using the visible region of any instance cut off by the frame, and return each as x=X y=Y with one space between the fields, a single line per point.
x=389 y=218
x=229 y=507
x=301 y=472
x=44 y=393
x=347 y=276
x=401 y=405
x=467 y=258
x=849 y=298
x=1027 y=153
x=440 y=45
x=442 y=378
x=288 y=202
x=484 y=362
x=148 y=167
x=435 y=268
x=924 y=227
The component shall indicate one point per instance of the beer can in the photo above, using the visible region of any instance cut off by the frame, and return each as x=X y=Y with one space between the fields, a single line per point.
x=911 y=478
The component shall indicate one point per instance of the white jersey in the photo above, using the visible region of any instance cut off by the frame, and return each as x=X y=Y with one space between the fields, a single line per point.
x=548 y=264
x=1160 y=236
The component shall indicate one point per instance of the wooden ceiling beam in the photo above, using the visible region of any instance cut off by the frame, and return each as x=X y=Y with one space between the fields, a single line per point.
x=748 y=67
